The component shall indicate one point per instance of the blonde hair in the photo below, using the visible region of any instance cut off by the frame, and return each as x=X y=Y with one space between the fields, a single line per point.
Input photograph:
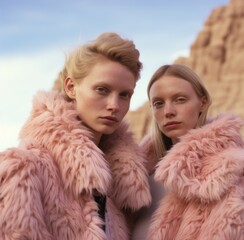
x=106 y=46
x=181 y=71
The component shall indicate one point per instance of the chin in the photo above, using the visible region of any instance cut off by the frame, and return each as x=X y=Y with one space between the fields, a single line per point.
x=176 y=135
x=108 y=131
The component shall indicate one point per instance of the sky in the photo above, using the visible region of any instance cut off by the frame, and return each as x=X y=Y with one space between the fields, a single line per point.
x=36 y=35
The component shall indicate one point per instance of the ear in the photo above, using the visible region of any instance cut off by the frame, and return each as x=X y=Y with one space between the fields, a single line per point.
x=69 y=87
x=203 y=103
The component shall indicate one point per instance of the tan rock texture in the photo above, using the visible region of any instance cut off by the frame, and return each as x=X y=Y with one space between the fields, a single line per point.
x=217 y=55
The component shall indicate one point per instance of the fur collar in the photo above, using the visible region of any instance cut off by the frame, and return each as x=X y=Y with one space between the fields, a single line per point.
x=53 y=125
x=206 y=162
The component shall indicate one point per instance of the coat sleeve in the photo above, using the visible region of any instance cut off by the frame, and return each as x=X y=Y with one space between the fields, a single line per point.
x=21 y=210
x=166 y=220
x=226 y=221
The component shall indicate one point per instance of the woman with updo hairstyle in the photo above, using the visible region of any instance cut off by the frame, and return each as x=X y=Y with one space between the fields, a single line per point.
x=77 y=169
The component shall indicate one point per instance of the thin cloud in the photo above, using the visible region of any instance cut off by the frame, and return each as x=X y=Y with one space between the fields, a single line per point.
x=21 y=77
x=8 y=135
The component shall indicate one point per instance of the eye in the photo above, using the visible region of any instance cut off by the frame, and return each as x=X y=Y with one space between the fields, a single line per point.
x=126 y=95
x=102 y=90
x=180 y=100
x=158 y=104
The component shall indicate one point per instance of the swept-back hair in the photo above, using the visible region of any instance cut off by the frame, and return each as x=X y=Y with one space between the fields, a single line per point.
x=108 y=45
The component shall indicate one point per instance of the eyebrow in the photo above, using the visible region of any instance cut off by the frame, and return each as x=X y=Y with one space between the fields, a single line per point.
x=131 y=90
x=156 y=98
x=173 y=96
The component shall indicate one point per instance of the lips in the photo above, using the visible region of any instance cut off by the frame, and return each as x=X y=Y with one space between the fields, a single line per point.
x=110 y=118
x=171 y=124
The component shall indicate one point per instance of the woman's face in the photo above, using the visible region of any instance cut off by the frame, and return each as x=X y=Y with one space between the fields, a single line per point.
x=176 y=106
x=103 y=97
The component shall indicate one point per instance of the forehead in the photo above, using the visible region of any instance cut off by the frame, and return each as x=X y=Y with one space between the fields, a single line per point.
x=168 y=85
x=111 y=73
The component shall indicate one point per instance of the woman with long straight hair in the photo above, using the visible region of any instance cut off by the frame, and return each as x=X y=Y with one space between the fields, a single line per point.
x=197 y=162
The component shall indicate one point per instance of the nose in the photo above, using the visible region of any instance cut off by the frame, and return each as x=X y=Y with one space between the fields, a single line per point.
x=113 y=103
x=169 y=110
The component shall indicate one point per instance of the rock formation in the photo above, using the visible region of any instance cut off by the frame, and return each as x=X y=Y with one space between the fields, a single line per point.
x=217 y=55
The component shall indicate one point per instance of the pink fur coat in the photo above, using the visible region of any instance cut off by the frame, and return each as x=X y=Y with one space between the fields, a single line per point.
x=204 y=174
x=47 y=183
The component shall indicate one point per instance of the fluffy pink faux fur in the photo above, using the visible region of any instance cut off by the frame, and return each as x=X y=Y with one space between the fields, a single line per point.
x=204 y=174
x=46 y=184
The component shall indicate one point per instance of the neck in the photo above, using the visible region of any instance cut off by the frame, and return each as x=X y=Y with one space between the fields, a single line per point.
x=175 y=140
x=96 y=138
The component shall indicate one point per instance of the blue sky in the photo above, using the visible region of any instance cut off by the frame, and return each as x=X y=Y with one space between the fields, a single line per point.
x=35 y=35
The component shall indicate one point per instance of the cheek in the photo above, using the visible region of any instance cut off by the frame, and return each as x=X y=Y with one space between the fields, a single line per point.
x=124 y=107
x=158 y=116
x=86 y=99
x=193 y=118
x=84 y=103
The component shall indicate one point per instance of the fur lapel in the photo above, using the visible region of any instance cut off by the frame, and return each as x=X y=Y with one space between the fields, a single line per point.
x=53 y=125
x=206 y=162
x=130 y=178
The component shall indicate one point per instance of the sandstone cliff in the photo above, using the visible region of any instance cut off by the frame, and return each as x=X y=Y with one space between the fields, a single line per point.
x=217 y=55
